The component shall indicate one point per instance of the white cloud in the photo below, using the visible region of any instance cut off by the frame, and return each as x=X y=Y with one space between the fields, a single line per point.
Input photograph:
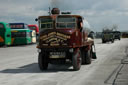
x=98 y=12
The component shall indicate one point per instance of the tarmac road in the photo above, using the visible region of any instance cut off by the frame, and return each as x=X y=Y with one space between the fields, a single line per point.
x=18 y=66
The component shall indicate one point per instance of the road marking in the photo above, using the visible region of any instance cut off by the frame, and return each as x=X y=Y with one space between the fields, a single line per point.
x=126 y=51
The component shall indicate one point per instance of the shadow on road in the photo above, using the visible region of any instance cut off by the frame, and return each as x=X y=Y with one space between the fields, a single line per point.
x=33 y=68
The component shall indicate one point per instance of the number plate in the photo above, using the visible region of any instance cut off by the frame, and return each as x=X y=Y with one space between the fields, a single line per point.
x=57 y=54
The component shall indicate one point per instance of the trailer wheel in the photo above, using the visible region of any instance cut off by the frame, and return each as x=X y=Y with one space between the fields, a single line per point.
x=42 y=61
x=76 y=59
x=88 y=56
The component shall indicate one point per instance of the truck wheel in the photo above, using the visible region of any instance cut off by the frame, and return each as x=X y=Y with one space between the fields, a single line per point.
x=112 y=40
x=103 y=41
x=83 y=54
x=88 y=57
x=42 y=61
x=76 y=59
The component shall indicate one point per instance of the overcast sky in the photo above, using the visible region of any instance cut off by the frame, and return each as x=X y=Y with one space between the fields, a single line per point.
x=99 y=13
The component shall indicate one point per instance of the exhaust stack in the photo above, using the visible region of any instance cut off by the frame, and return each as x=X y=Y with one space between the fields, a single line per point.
x=55 y=11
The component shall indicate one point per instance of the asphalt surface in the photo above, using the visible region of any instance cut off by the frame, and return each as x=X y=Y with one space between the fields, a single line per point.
x=19 y=66
x=121 y=77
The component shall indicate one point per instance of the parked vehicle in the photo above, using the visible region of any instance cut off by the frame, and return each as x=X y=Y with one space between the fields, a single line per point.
x=5 y=34
x=33 y=36
x=21 y=34
x=117 y=35
x=107 y=36
x=63 y=38
x=34 y=27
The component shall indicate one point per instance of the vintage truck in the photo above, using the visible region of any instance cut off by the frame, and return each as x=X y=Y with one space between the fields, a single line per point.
x=63 y=38
x=108 y=36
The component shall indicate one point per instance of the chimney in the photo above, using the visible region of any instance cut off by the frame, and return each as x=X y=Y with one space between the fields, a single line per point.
x=55 y=11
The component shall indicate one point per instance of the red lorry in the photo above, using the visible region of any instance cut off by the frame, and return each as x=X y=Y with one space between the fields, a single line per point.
x=63 y=38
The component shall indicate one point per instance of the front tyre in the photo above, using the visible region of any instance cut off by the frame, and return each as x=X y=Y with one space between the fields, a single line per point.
x=76 y=59
x=119 y=38
x=103 y=41
x=43 y=61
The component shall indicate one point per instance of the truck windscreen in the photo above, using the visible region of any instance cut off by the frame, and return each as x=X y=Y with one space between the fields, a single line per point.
x=66 y=22
x=46 y=23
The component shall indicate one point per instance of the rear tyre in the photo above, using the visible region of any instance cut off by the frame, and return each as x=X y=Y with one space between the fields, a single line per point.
x=76 y=59
x=83 y=57
x=3 y=45
x=43 y=61
x=88 y=57
x=112 y=40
